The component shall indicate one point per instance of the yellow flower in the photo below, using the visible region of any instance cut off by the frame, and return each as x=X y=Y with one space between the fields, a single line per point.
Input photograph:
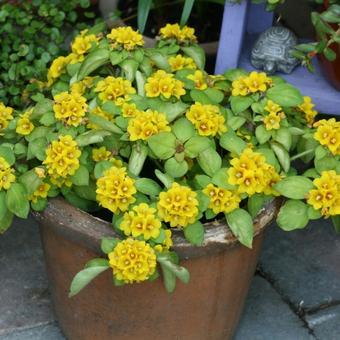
x=40 y=172
x=162 y=83
x=6 y=115
x=174 y=31
x=125 y=37
x=24 y=125
x=70 y=108
x=57 y=68
x=199 y=79
x=112 y=88
x=272 y=121
x=239 y=87
x=207 y=119
x=62 y=159
x=147 y=124
x=257 y=82
x=307 y=108
x=179 y=63
x=141 y=221
x=101 y=154
x=326 y=196
x=272 y=107
x=74 y=58
x=82 y=43
x=7 y=176
x=251 y=173
x=97 y=111
x=167 y=243
x=115 y=190
x=130 y=110
x=328 y=134
x=41 y=192
x=81 y=86
x=178 y=206
x=116 y=162
x=222 y=200
x=132 y=261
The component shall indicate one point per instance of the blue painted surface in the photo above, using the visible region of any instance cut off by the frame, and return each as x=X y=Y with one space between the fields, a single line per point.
x=235 y=46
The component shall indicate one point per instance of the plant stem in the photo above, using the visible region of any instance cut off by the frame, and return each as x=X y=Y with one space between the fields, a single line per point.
x=301 y=154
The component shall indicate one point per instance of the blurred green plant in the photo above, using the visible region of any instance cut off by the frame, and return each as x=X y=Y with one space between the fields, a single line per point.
x=32 y=33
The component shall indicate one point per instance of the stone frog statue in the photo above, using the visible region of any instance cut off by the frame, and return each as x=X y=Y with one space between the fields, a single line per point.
x=272 y=50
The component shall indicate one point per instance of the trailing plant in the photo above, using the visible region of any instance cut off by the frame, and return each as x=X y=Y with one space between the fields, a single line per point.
x=146 y=135
x=32 y=33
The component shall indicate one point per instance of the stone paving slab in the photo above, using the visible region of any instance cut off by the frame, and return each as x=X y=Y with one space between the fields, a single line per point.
x=325 y=323
x=24 y=298
x=266 y=316
x=304 y=265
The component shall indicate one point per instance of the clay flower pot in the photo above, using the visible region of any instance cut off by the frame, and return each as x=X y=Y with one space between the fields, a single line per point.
x=207 y=308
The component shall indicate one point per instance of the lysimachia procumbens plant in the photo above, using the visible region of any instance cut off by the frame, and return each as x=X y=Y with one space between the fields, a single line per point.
x=147 y=135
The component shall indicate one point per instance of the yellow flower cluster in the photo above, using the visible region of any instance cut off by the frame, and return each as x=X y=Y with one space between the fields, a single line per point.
x=125 y=37
x=6 y=115
x=70 y=108
x=41 y=192
x=130 y=110
x=132 y=261
x=7 y=176
x=167 y=243
x=162 y=83
x=24 y=125
x=199 y=79
x=273 y=119
x=57 y=68
x=62 y=160
x=83 y=42
x=179 y=63
x=174 y=31
x=178 y=206
x=221 y=200
x=252 y=174
x=326 y=196
x=207 y=119
x=101 y=154
x=254 y=82
x=146 y=124
x=115 y=189
x=328 y=134
x=307 y=108
x=141 y=221
x=115 y=89
x=97 y=111
x=81 y=86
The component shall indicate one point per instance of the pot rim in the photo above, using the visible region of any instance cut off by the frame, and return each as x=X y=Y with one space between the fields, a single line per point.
x=83 y=228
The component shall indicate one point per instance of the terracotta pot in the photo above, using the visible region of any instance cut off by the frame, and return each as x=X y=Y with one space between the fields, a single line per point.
x=331 y=69
x=208 y=308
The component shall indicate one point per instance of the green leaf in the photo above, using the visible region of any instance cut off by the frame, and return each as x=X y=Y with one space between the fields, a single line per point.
x=172 y=110
x=98 y=262
x=100 y=167
x=295 y=187
x=93 y=61
x=256 y=203
x=236 y=122
x=293 y=215
x=17 y=201
x=181 y=273
x=84 y=277
x=194 y=233
x=7 y=153
x=313 y=214
x=137 y=158
x=183 y=129
x=116 y=57
x=176 y=169
x=91 y=137
x=81 y=176
x=169 y=279
x=164 y=178
x=220 y=179
x=325 y=163
x=39 y=205
x=196 y=53
x=48 y=119
x=148 y=186
x=262 y=135
x=202 y=180
x=104 y=124
x=42 y=107
x=234 y=73
x=285 y=95
x=129 y=68
x=210 y=161
x=215 y=96
x=37 y=149
x=231 y=142
x=195 y=145
x=270 y=157
x=6 y=217
x=187 y=8
x=336 y=223
x=31 y=181
x=143 y=11
x=241 y=225
x=239 y=103
x=284 y=137
x=108 y=244
x=282 y=155
x=163 y=145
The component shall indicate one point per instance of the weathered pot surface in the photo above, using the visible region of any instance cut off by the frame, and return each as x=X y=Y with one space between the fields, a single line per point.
x=208 y=308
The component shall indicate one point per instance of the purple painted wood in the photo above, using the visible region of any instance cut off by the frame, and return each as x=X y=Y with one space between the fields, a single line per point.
x=258 y=19
x=231 y=36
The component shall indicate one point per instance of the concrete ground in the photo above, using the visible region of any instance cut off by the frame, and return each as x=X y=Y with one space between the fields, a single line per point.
x=295 y=294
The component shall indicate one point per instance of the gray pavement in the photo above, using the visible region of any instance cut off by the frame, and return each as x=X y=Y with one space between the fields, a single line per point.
x=295 y=294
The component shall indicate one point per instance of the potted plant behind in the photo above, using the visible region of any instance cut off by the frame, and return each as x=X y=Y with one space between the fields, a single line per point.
x=161 y=168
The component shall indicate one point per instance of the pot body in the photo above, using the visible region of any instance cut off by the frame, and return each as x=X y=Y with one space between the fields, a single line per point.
x=208 y=308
